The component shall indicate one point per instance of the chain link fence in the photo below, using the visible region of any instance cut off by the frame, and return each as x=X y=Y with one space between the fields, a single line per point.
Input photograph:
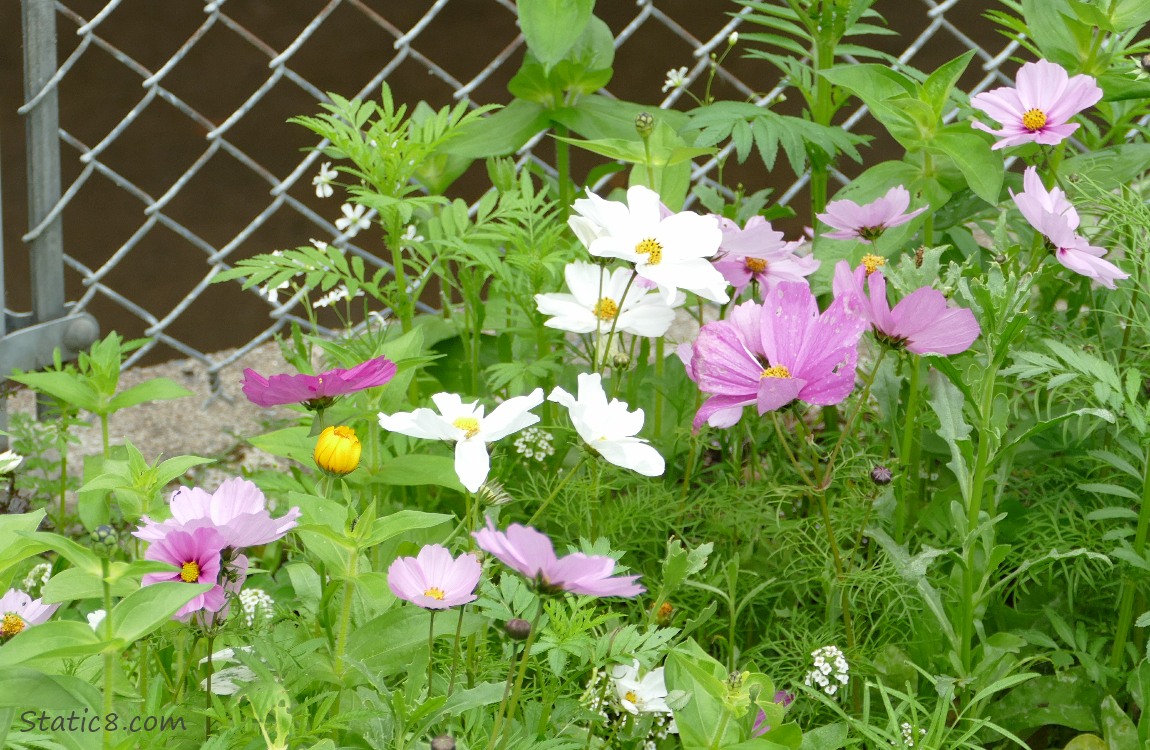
x=158 y=155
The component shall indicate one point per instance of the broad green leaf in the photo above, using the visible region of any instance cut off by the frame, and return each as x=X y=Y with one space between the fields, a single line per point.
x=551 y=27
x=938 y=85
x=295 y=443
x=1117 y=728
x=55 y=639
x=81 y=557
x=386 y=643
x=503 y=132
x=27 y=688
x=76 y=583
x=827 y=737
x=415 y=469
x=150 y=607
x=68 y=387
x=156 y=389
x=400 y=522
x=1068 y=699
x=982 y=167
x=946 y=401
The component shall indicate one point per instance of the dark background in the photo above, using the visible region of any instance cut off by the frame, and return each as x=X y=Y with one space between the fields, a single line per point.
x=223 y=69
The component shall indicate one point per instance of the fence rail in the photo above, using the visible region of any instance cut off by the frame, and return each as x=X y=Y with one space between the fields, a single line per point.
x=71 y=162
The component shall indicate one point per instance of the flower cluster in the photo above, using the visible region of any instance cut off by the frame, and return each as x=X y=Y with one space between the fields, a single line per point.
x=256 y=604
x=37 y=577
x=534 y=443
x=831 y=670
x=908 y=734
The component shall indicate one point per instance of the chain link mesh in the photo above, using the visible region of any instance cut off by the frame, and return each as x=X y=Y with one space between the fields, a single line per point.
x=405 y=25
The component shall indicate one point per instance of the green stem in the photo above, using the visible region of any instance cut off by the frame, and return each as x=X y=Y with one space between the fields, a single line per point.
x=555 y=492
x=907 y=468
x=514 y=705
x=928 y=225
x=430 y=649
x=722 y=728
x=615 y=320
x=345 y=615
x=104 y=435
x=1126 y=599
x=109 y=656
x=977 y=487
x=455 y=650
x=563 y=167
x=647 y=163
x=395 y=244
x=658 y=405
x=208 y=691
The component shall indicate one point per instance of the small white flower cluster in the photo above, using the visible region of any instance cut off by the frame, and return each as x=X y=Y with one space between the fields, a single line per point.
x=676 y=78
x=908 y=736
x=534 y=443
x=36 y=578
x=830 y=669
x=256 y=602
x=339 y=294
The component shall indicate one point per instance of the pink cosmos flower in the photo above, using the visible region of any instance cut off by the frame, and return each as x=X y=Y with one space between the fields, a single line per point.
x=531 y=554
x=434 y=579
x=237 y=510
x=922 y=322
x=1053 y=215
x=774 y=353
x=197 y=555
x=867 y=222
x=758 y=253
x=19 y=611
x=317 y=391
x=1038 y=109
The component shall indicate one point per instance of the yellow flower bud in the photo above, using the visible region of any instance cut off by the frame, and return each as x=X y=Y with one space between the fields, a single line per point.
x=337 y=450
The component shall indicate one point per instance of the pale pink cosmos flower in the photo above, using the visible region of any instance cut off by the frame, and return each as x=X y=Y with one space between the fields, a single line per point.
x=237 y=510
x=922 y=322
x=531 y=554
x=19 y=611
x=1052 y=214
x=196 y=554
x=771 y=354
x=868 y=221
x=1039 y=108
x=316 y=391
x=758 y=253
x=434 y=579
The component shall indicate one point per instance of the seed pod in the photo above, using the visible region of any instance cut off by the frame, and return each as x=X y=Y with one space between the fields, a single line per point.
x=518 y=629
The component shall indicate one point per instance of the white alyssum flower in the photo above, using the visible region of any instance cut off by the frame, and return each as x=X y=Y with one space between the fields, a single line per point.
x=353 y=219
x=37 y=577
x=9 y=461
x=830 y=669
x=676 y=78
x=669 y=249
x=908 y=735
x=256 y=604
x=338 y=294
x=646 y=695
x=609 y=428
x=596 y=302
x=95 y=618
x=467 y=425
x=322 y=181
x=229 y=680
x=534 y=443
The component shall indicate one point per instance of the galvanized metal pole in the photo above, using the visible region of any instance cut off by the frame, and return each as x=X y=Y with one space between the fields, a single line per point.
x=43 y=138
x=3 y=330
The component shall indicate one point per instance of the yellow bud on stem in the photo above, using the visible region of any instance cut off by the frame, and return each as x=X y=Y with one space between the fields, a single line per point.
x=337 y=450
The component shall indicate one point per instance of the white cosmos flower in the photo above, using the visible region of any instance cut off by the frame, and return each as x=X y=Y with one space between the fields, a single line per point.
x=353 y=219
x=597 y=299
x=609 y=428
x=9 y=460
x=322 y=181
x=667 y=249
x=640 y=696
x=468 y=427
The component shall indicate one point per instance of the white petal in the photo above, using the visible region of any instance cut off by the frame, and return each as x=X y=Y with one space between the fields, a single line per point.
x=632 y=454
x=472 y=463
x=511 y=416
x=421 y=423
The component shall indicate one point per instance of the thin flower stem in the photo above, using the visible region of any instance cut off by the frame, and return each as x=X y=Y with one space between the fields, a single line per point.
x=555 y=492
x=647 y=162
x=345 y=614
x=908 y=468
x=496 y=729
x=430 y=649
x=1126 y=599
x=720 y=731
x=109 y=656
x=657 y=408
x=524 y=659
x=790 y=454
x=615 y=320
x=208 y=690
x=455 y=650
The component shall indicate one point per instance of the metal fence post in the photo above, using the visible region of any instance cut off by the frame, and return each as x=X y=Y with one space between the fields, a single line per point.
x=45 y=243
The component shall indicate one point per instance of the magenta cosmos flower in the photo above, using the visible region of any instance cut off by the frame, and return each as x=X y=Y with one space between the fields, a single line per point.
x=434 y=579
x=1037 y=110
x=531 y=554
x=196 y=554
x=758 y=253
x=922 y=322
x=868 y=221
x=19 y=611
x=317 y=391
x=1052 y=214
x=771 y=354
x=237 y=510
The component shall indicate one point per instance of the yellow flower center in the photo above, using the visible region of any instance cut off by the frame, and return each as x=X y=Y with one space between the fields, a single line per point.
x=469 y=425
x=434 y=593
x=630 y=697
x=755 y=265
x=190 y=572
x=606 y=309
x=872 y=263
x=11 y=625
x=1034 y=120
x=777 y=371
x=652 y=249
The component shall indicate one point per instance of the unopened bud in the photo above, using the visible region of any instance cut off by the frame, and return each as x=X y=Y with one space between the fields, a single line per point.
x=644 y=124
x=881 y=475
x=1144 y=63
x=733 y=39
x=443 y=742
x=518 y=629
x=663 y=616
x=918 y=256
x=104 y=536
x=1000 y=259
x=337 y=450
